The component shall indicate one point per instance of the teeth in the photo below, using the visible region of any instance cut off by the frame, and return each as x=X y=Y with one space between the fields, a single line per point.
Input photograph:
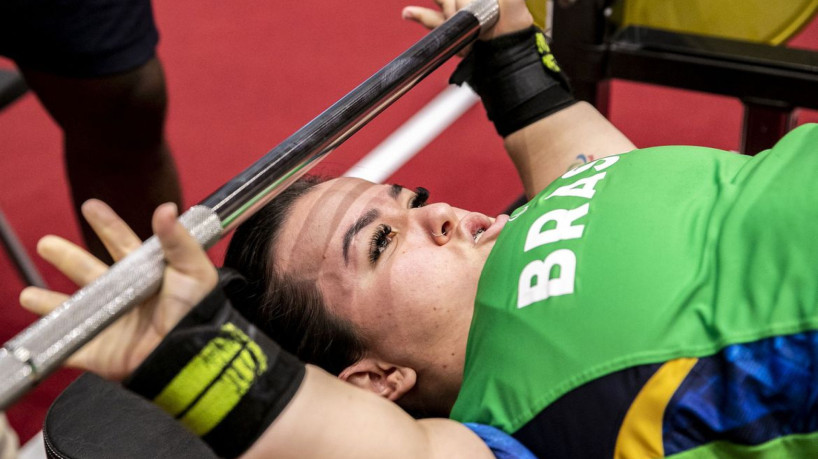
x=478 y=234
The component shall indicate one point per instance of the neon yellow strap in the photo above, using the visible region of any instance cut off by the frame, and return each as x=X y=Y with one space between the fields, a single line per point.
x=214 y=381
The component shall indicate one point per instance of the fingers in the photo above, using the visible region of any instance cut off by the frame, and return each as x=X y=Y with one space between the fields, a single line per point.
x=114 y=233
x=41 y=301
x=431 y=18
x=514 y=16
x=189 y=276
x=70 y=259
x=424 y=16
x=449 y=7
x=182 y=252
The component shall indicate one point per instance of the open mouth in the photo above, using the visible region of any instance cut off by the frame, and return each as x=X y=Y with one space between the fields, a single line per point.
x=479 y=227
x=478 y=234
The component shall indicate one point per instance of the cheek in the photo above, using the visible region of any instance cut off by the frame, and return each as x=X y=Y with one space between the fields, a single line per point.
x=424 y=276
x=417 y=302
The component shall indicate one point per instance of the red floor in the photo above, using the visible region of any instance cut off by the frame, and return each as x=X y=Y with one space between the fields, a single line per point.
x=244 y=75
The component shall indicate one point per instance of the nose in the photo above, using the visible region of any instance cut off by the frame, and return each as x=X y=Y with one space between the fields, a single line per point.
x=439 y=220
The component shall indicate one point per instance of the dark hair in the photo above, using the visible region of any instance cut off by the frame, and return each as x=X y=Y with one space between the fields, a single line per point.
x=292 y=311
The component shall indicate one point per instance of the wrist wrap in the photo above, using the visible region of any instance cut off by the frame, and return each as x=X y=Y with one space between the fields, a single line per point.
x=219 y=375
x=517 y=78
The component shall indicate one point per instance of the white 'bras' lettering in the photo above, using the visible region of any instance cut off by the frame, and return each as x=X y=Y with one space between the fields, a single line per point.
x=536 y=283
x=582 y=188
x=554 y=275
x=562 y=231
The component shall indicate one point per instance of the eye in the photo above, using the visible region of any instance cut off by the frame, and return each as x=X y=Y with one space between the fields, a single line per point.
x=379 y=242
x=420 y=198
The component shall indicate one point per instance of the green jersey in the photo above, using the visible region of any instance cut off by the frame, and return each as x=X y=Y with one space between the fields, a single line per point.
x=634 y=272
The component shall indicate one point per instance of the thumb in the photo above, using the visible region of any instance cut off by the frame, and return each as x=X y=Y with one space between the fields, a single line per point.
x=182 y=252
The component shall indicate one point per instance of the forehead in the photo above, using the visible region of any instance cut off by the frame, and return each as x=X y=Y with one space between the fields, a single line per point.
x=316 y=222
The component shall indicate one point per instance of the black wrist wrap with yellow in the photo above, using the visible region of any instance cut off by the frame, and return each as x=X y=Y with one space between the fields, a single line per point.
x=219 y=375
x=517 y=78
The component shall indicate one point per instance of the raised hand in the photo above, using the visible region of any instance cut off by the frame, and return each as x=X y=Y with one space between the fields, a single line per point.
x=514 y=16
x=190 y=275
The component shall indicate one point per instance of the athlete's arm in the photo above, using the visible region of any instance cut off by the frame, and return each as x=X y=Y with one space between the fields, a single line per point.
x=545 y=149
x=329 y=418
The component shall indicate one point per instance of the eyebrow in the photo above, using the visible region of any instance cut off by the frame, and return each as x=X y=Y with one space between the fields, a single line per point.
x=356 y=228
x=395 y=190
x=364 y=221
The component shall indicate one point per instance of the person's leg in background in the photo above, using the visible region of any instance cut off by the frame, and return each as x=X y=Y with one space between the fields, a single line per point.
x=115 y=147
x=93 y=66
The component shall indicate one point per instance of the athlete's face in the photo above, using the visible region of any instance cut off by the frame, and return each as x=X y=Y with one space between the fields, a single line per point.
x=403 y=271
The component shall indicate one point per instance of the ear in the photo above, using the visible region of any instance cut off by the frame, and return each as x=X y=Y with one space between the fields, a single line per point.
x=383 y=378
